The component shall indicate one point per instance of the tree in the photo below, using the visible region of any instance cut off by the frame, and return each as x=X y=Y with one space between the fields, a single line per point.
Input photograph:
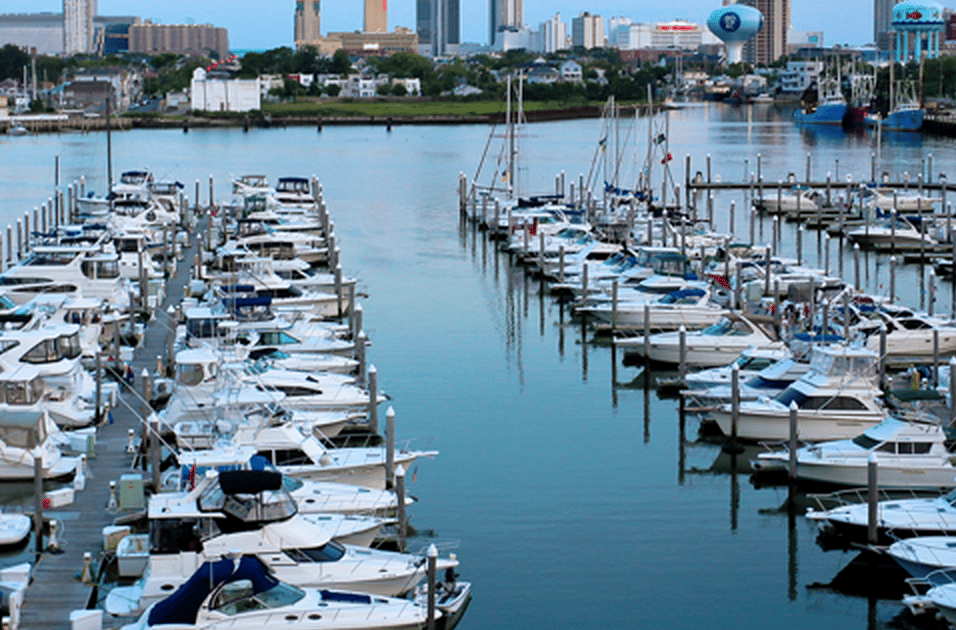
x=333 y=89
x=399 y=89
x=12 y=60
x=384 y=89
x=341 y=62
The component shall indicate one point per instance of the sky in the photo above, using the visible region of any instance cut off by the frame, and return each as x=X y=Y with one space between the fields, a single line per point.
x=265 y=24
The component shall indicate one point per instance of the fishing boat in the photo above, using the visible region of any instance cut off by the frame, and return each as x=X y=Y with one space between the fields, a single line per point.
x=907 y=113
x=825 y=106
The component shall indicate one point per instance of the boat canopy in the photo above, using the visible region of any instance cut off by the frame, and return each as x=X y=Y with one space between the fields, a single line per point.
x=182 y=607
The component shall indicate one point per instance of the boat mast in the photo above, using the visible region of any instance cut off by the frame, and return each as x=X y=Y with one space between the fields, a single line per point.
x=650 y=146
x=519 y=120
x=511 y=143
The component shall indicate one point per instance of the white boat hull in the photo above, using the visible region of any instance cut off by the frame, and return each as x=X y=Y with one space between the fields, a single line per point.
x=812 y=426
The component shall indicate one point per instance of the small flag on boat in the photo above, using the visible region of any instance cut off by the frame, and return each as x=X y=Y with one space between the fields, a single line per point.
x=415 y=474
x=192 y=477
x=667 y=158
x=719 y=279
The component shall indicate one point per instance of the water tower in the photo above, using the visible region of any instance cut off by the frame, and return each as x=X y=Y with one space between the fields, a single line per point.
x=734 y=24
x=919 y=19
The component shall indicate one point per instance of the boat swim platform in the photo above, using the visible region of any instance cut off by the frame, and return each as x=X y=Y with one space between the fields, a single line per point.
x=56 y=588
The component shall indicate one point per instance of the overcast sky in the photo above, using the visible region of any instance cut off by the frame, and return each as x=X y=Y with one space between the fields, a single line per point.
x=264 y=24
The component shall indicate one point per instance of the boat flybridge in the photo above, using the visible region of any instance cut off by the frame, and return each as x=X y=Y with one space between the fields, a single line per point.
x=294 y=192
x=26 y=434
x=81 y=270
x=837 y=398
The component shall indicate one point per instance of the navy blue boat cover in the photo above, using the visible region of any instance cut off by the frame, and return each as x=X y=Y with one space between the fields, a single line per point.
x=183 y=605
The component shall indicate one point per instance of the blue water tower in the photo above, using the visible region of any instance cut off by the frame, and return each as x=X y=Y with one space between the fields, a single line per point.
x=921 y=19
x=734 y=24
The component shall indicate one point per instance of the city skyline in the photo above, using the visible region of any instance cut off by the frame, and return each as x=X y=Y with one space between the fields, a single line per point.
x=264 y=24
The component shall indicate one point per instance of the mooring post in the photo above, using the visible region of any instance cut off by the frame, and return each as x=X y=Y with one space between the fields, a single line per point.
x=561 y=264
x=710 y=211
x=753 y=222
x=792 y=469
x=38 y=495
x=892 y=279
x=99 y=388
x=856 y=266
x=825 y=324
x=872 y=495
x=432 y=585
x=614 y=289
x=738 y=281
x=808 y=167
x=952 y=390
x=155 y=446
x=800 y=244
x=708 y=168
x=682 y=339
x=584 y=285
x=731 y=446
x=390 y=448
x=212 y=193
x=826 y=253
x=931 y=307
x=372 y=400
x=400 y=498
x=767 y=272
x=935 y=357
x=882 y=355
x=647 y=332
x=846 y=316
x=360 y=347
x=733 y=206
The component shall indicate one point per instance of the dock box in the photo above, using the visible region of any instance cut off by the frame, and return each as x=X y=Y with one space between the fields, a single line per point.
x=131 y=494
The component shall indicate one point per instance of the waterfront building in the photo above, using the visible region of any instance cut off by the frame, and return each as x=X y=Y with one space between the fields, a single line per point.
x=217 y=92
x=678 y=34
x=504 y=15
x=308 y=21
x=364 y=44
x=376 y=16
x=798 y=76
x=924 y=22
x=587 y=31
x=78 y=26
x=184 y=39
x=803 y=40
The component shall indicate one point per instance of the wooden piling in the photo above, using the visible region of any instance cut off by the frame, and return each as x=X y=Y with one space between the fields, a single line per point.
x=372 y=399
x=872 y=496
x=390 y=448
x=792 y=468
x=400 y=497
x=432 y=585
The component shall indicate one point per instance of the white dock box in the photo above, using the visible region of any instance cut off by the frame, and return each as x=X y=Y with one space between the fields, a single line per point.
x=131 y=494
x=86 y=620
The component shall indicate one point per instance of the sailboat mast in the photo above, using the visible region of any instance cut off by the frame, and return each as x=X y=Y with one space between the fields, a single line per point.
x=511 y=142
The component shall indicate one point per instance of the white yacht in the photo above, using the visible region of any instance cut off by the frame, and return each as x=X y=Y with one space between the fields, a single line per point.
x=911 y=453
x=837 y=398
x=715 y=345
x=897 y=518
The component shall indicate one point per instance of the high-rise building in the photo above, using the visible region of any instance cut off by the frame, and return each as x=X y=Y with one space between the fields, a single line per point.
x=442 y=17
x=587 y=31
x=78 y=26
x=308 y=14
x=376 y=16
x=554 y=35
x=183 y=39
x=882 y=21
x=770 y=42
x=505 y=14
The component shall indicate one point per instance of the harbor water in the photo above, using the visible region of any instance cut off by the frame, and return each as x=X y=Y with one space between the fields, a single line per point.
x=574 y=496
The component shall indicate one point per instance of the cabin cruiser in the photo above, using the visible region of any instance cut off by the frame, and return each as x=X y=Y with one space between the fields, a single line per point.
x=892 y=231
x=304 y=555
x=802 y=200
x=886 y=199
x=715 y=345
x=297 y=452
x=838 y=397
x=691 y=308
x=911 y=453
x=749 y=364
x=247 y=596
x=922 y=555
x=80 y=270
x=896 y=518
x=909 y=335
x=295 y=192
x=23 y=436
x=251 y=185
x=767 y=382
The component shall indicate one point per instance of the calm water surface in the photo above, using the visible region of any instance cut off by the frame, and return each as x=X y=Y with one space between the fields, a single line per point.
x=577 y=497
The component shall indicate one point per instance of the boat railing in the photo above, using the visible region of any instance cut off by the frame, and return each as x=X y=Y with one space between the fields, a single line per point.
x=441 y=545
x=859 y=496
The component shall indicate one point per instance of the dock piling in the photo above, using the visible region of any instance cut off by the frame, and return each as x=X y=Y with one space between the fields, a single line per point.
x=372 y=399
x=872 y=496
x=732 y=446
x=400 y=498
x=892 y=279
x=935 y=357
x=826 y=253
x=682 y=340
x=856 y=266
x=390 y=448
x=432 y=585
x=882 y=355
x=733 y=207
x=952 y=389
x=360 y=348
x=614 y=289
x=647 y=333
x=800 y=244
x=561 y=264
x=792 y=468
x=38 y=496
x=931 y=307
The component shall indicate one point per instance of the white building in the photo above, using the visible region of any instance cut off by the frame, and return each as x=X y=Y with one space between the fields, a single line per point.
x=571 y=71
x=212 y=94
x=587 y=31
x=78 y=26
x=511 y=38
x=678 y=34
x=553 y=34
x=614 y=24
x=799 y=75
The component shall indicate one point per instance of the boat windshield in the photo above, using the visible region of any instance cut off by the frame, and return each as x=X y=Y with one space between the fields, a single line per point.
x=720 y=328
x=268 y=505
x=240 y=596
x=864 y=441
x=790 y=395
x=189 y=373
x=754 y=363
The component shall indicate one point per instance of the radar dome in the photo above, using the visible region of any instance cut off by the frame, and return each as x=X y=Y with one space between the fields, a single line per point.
x=734 y=24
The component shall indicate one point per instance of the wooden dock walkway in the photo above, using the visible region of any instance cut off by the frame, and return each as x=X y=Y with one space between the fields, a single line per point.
x=56 y=589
